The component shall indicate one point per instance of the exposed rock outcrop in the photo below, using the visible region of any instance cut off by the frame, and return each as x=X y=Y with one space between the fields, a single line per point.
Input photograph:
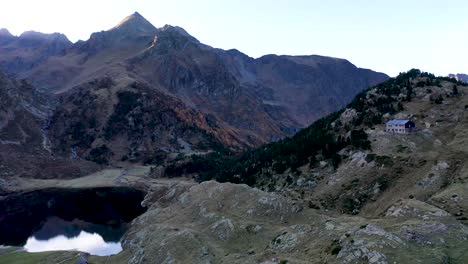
x=227 y=223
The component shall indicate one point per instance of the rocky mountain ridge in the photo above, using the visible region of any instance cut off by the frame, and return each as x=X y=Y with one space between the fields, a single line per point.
x=342 y=190
x=460 y=77
x=29 y=50
x=246 y=101
x=391 y=198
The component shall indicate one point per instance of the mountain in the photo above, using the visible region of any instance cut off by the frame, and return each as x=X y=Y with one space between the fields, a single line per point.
x=25 y=148
x=104 y=121
x=460 y=77
x=340 y=191
x=347 y=163
x=135 y=24
x=22 y=110
x=23 y=53
x=310 y=86
x=5 y=36
x=237 y=101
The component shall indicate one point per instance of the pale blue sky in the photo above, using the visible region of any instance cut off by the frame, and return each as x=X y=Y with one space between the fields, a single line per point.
x=387 y=36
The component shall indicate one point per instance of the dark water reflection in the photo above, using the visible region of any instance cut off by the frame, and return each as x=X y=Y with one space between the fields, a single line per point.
x=88 y=220
x=58 y=234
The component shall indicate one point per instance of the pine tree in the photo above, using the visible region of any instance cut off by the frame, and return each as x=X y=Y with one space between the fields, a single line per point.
x=455 y=90
x=400 y=106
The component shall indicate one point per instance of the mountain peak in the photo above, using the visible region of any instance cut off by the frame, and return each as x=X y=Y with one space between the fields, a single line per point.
x=5 y=33
x=459 y=77
x=135 y=23
x=34 y=35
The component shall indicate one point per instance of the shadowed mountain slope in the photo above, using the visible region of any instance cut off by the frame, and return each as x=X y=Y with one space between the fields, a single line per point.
x=346 y=162
x=25 y=148
x=252 y=101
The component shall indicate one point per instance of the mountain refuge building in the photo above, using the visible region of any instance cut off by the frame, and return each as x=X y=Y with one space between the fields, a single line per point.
x=400 y=126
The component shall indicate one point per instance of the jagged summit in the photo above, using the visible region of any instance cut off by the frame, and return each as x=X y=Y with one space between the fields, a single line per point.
x=134 y=31
x=135 y=23
x=253 y=101
x=31 y=34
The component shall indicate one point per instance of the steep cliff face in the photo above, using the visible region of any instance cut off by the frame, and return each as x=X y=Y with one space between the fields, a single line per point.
x=200 y=76
x=309 y=87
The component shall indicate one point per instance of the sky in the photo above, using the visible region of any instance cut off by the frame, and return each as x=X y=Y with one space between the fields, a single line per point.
x=386 y=36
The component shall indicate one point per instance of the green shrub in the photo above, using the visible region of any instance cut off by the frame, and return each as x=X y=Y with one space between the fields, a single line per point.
x=439 y=99
x=400 y=107
x=359 y=139
x=455 y=90
x=335 y=247
x=384 y=160
x=118 y=120
x=100 y=155
x=350 y=205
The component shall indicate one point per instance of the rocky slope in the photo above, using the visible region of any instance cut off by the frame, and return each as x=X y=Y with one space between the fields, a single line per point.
x=246 y=101
x=365 y=197
x=347 y=163
x=22 y=109
x=403 y=189
x=215 y=222
x=340 y=191
x=25 y=149
x=227 y=223
x=106 y=122
x=309 y=87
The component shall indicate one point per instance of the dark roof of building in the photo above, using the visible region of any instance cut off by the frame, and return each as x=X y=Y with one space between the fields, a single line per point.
x=397 y=122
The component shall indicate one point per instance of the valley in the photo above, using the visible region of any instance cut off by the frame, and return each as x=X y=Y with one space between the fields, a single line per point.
x=172 y=151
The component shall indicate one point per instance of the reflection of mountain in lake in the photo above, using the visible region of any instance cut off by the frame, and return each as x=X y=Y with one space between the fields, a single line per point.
x=84 y=241
x=48 y=213
x=55 y=226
